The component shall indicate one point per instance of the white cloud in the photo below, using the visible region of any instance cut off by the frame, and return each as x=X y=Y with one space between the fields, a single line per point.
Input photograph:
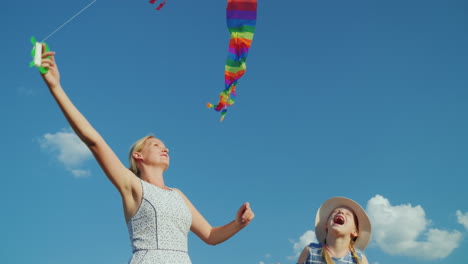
x=263 y=262
x=307 y=238
x=403 y=230
x=81 y=173
x=269 y=260
x=69 y=150
x=462 y=219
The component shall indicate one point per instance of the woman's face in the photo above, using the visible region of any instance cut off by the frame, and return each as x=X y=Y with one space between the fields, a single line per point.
x=342 y=220
x=155 y=152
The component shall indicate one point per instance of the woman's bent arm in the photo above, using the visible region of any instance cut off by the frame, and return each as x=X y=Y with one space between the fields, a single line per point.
x=216 y=235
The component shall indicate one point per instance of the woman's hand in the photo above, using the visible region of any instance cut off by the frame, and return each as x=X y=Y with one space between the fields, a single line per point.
x=245 y=215
x=52 y=77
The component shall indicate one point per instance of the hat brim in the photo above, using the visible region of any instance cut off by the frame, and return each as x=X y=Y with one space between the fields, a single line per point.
x=327 y=208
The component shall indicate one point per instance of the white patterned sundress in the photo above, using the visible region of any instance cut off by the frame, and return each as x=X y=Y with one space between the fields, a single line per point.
x=159 y=229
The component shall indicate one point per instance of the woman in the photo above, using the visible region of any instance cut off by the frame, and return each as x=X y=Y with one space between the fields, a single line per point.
x=343 y=229
x=158 y=217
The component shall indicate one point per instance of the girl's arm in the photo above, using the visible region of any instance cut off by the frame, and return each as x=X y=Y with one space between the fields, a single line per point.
x=124 y=180
x=216 y=235
x=304 y=255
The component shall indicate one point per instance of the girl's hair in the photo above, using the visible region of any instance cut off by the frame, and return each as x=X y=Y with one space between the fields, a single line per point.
x=326 y=254
x=136 y=147
x=353 y=252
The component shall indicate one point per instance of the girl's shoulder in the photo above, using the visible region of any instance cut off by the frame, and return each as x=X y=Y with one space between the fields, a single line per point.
x=315 y=245
x=315 y=251
x=359 y=252
x=314 y=254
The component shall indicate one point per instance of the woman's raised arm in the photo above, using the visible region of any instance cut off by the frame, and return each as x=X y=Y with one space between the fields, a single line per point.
x=122 y=178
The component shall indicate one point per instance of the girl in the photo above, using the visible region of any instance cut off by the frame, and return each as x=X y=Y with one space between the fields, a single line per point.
x=158 y=217
x=343 y=229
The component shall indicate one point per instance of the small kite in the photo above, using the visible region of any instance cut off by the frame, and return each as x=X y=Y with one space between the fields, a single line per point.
x=160 y=5
x=36 y=53
x=241 y=21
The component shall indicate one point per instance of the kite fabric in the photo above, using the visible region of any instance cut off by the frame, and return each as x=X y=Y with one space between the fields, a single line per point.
x=160 y=5
x=241 y=21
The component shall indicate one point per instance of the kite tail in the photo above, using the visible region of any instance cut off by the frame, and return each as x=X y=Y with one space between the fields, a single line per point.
x=223 y=114
x=220 y=107
x=226 y=99
x=241 y=16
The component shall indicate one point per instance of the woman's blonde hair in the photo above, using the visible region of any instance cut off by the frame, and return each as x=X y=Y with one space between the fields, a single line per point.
x=136 y=147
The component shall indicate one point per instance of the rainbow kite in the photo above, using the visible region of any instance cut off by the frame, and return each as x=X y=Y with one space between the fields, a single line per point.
x=241 y=20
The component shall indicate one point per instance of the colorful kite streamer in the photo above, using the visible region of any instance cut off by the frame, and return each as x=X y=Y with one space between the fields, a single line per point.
x=241 y=20
x=160 y=5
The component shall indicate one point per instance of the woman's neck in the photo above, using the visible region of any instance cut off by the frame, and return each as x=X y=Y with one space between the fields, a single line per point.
x=153 y=176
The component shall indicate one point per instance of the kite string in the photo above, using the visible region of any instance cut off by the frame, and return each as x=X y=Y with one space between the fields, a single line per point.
x=73 y=17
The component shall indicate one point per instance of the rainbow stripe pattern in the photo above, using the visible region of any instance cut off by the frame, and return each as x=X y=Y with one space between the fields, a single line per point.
x=241 y=18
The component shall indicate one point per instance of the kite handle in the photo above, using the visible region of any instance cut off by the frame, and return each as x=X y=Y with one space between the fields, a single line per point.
x=38 y=54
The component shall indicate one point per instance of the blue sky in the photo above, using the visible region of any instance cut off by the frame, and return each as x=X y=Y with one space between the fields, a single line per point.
x=363 y=99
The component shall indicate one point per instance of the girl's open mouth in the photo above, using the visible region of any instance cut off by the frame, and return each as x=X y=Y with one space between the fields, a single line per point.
x=339 y=220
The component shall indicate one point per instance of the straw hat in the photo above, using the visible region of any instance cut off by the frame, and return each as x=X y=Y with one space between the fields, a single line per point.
x=327 y=208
